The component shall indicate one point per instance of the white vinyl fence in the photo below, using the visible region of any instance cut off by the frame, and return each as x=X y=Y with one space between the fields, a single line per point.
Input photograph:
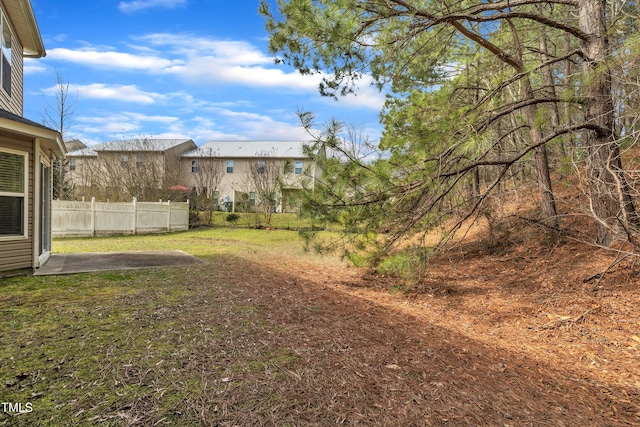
x=76 y=219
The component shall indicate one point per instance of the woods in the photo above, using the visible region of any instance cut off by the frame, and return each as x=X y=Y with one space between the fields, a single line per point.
x=482 y=96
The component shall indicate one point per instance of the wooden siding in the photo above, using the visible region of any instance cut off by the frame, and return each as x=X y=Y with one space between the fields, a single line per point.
x=18 y=254
x=14 y=103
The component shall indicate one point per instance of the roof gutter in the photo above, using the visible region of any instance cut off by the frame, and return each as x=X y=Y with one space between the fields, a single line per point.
x=52 y=138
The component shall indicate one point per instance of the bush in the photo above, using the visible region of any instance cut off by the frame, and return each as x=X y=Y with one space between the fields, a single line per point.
x=233 y=218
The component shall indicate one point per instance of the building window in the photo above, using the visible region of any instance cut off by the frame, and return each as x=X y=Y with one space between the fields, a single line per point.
x=72 y=164
x=252 y=198
x=139 y=160
x=229 y=166
x=262 y=165
x=124 y=161
x=298 y=169
x=6 y=55
x=194 y=166
x=13 y=193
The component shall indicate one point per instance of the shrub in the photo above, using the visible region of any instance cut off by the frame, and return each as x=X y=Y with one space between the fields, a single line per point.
x=233 y=218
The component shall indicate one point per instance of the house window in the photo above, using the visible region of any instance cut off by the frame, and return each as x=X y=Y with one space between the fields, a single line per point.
x=13 y=193
x=262 y=165
x=252 y=198
x=72 y=164
x=298 y=169
x=6 y=55
x=229 y=166
x=194 y=166
x=124 y=160
x=139 y=160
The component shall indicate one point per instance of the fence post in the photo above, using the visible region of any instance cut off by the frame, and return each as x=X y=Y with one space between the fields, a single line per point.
x=93 y=216
x=135 y=216
x=168 y=215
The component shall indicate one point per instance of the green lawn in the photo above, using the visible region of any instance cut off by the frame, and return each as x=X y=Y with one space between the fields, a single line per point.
x=157 y=345
x=200 y=243
x=289 y=221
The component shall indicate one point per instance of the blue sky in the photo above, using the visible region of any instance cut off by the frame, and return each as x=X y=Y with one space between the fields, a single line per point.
x=198 y=69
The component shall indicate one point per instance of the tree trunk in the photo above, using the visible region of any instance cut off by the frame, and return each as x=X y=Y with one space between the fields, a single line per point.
x=549 y=212
x=611 y=203
x=550 y=89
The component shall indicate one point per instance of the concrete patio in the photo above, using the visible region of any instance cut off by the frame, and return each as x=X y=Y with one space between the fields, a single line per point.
x=103 y=261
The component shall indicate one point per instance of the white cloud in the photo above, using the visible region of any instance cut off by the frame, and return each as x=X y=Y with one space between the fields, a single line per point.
x=366 y=96
x=258 y=126
x=124 y=93
x=110 y=59
x=203 y=129
x=138 y=5
x=214 y=71
x=153 y=118
x=109 y=126
x=210 y=61
x=33 y=66
x=121 y=125
x=229 y=51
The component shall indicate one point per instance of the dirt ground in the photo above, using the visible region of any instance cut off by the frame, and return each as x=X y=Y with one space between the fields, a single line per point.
x=524 y=335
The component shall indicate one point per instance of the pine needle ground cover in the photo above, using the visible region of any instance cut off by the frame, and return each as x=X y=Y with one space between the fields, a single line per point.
x=265 y=334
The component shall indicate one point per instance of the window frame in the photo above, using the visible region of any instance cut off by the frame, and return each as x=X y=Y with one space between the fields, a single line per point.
x=230 y=166
x=262 y=166
x=24 y=195
x=194 y=166
x=298 y=170
x=6 y=54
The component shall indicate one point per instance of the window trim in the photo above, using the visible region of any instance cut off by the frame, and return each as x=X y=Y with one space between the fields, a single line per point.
x=24 y=195
x=4 y=21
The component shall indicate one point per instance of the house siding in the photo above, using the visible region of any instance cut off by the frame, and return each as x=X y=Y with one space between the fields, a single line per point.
x=239 y=182
x=14 y=103
x=18 y=254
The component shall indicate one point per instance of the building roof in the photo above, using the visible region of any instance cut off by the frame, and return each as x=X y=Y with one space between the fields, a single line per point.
x=50 y=137
x=131 y=145
x=249 y=149
x=83 y=152
x=74 y=144
x=141 y=144
x=4 y=114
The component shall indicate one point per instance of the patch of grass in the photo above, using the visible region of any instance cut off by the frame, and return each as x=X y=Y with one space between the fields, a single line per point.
x=289 y=221
x=407 y=265
x=145 y=346
x=165 y=346
x=201 y=243
x=116 y=348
